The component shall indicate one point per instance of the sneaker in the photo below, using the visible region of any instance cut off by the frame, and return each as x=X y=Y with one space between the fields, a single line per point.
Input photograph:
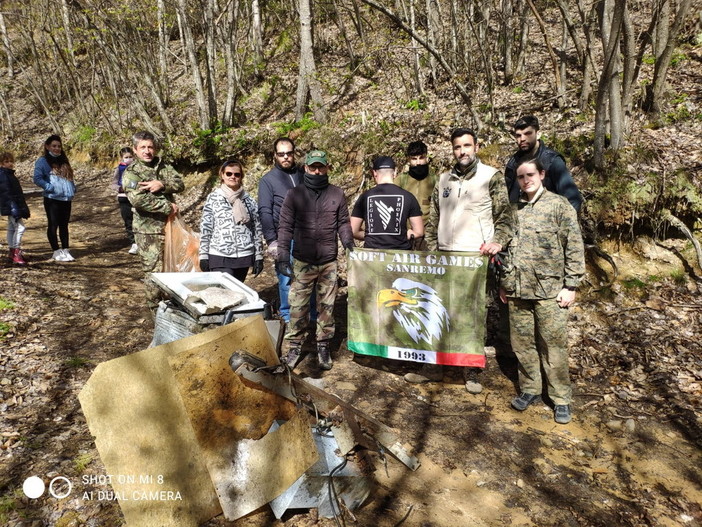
x=16 y=257
x=324 y=355
x=523 y=401
x=561 y=414
x=134 y=249
x=58 y=256
x=292 y=356
x=427 y=373
x=67 y=256
x=472 y=383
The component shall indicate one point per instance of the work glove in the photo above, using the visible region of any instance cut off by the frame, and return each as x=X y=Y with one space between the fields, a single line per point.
x=273 y=250
x=497 y=262
x=350 y=246
x=284 y=268
x=205 y=265
x=257 y=267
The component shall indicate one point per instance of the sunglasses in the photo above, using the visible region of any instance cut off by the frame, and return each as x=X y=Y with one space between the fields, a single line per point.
x=232 y=174
x=285 y=154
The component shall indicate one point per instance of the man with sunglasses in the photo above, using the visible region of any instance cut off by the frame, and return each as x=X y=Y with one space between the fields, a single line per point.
x=272 y=189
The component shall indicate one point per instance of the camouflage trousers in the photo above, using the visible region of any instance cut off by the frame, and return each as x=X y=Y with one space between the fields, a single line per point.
x=539 y=338
x=305 y=278
x=151 y=253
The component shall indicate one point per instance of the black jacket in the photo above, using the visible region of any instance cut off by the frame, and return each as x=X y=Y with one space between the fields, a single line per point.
x=271 y=192
x=558 y=178
x=12 y=201
x=313 y=220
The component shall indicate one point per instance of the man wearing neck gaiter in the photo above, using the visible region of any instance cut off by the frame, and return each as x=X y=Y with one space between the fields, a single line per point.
x=313 y=216
x=469 y=211
x=420 y=180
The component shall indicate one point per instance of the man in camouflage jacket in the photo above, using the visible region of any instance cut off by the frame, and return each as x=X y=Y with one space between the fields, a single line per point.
x=150 y=184
x=545 y=264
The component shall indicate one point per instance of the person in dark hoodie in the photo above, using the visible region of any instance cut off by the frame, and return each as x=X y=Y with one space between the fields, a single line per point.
x=272 y=188
x=14 y=206
x=314 y=215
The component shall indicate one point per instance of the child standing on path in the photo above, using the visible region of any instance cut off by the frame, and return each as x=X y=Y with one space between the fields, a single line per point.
x=125 y=208
x=12 y=205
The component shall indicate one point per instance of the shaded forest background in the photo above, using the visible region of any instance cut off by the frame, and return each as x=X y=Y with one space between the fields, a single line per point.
x=616 y=84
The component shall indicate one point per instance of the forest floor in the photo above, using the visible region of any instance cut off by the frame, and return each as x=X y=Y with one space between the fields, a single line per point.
x=631 y=456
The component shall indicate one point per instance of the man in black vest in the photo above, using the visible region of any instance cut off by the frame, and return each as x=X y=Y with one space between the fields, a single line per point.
x=558 y=178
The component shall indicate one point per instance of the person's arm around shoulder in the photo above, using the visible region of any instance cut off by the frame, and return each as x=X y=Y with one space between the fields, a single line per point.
x=573 y=254
x=502 y=216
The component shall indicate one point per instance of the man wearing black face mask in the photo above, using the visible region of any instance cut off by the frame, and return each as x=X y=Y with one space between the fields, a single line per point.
x=313 y=216
x=420 y=181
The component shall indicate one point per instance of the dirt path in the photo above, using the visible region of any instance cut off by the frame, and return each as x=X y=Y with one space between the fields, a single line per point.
x=630 y=457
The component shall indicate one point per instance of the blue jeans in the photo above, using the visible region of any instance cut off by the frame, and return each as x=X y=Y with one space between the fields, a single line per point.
x=284 y=291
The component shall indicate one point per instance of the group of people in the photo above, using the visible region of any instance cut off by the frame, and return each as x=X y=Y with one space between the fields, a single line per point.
x=525 y=218
x=53 y=173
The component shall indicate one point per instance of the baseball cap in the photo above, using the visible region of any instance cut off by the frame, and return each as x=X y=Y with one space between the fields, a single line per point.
x=383 y=162
x=316 y=156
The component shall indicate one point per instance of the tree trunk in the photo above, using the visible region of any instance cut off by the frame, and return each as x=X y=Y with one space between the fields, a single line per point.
x=256 y=36
x=660 y=70
x=611 y=24
x=210 y=57
x=162 y=49
x=189 y=43
x=308 y=86
x=8 y=48
x=551 y=53
x=229 y=45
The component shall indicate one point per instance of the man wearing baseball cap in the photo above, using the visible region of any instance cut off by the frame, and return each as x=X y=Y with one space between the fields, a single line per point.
x=380 y=214
x=313 y=216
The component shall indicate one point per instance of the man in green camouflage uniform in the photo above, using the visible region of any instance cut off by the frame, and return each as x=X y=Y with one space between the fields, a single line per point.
x=420 y=180
x=150 y=184
x=545 y=264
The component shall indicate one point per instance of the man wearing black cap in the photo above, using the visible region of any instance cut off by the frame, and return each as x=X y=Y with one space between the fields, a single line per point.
x=314 y=216
x=385 y=210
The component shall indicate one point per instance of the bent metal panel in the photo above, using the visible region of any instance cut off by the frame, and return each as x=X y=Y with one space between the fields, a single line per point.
x=418 y=306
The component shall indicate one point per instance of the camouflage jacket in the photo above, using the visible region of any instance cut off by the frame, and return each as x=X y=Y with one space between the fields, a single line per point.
x=547 y=251
x=151 y=209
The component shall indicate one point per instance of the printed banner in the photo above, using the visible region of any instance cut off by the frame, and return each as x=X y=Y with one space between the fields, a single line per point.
x=418 y=306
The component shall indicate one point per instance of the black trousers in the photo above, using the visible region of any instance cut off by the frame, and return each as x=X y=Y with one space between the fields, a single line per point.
x=125 y=208
x=58 y=214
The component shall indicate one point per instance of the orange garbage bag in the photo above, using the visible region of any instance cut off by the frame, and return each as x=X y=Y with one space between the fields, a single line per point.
x=180 y=249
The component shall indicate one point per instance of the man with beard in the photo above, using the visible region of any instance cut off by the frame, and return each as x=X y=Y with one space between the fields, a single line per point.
x=469 y=211
x=420 y=181
x=272 y=189
x=530 y=146
x=313 y=217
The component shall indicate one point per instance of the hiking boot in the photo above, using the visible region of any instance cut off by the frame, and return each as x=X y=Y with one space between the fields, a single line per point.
x=292 y=356
x=561 y=414
x=58 y=256
x=324 y=355
x=427 y=373
x=16 y=257
x=523 y=401
x=67 y=256
x=472 y=383
x=134 y=249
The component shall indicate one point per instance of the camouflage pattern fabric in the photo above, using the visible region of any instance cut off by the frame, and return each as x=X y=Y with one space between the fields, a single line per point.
x=421 y=189
x=547 y=252
x=305 y=276
x=151 y=253
x=539 y=339
x=151 y=209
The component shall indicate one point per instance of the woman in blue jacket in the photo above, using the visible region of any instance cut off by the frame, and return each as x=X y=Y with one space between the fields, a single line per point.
x=53 y=173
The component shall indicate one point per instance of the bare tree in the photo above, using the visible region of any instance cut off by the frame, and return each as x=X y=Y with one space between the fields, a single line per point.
x=308 y=85
x=7 y=47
